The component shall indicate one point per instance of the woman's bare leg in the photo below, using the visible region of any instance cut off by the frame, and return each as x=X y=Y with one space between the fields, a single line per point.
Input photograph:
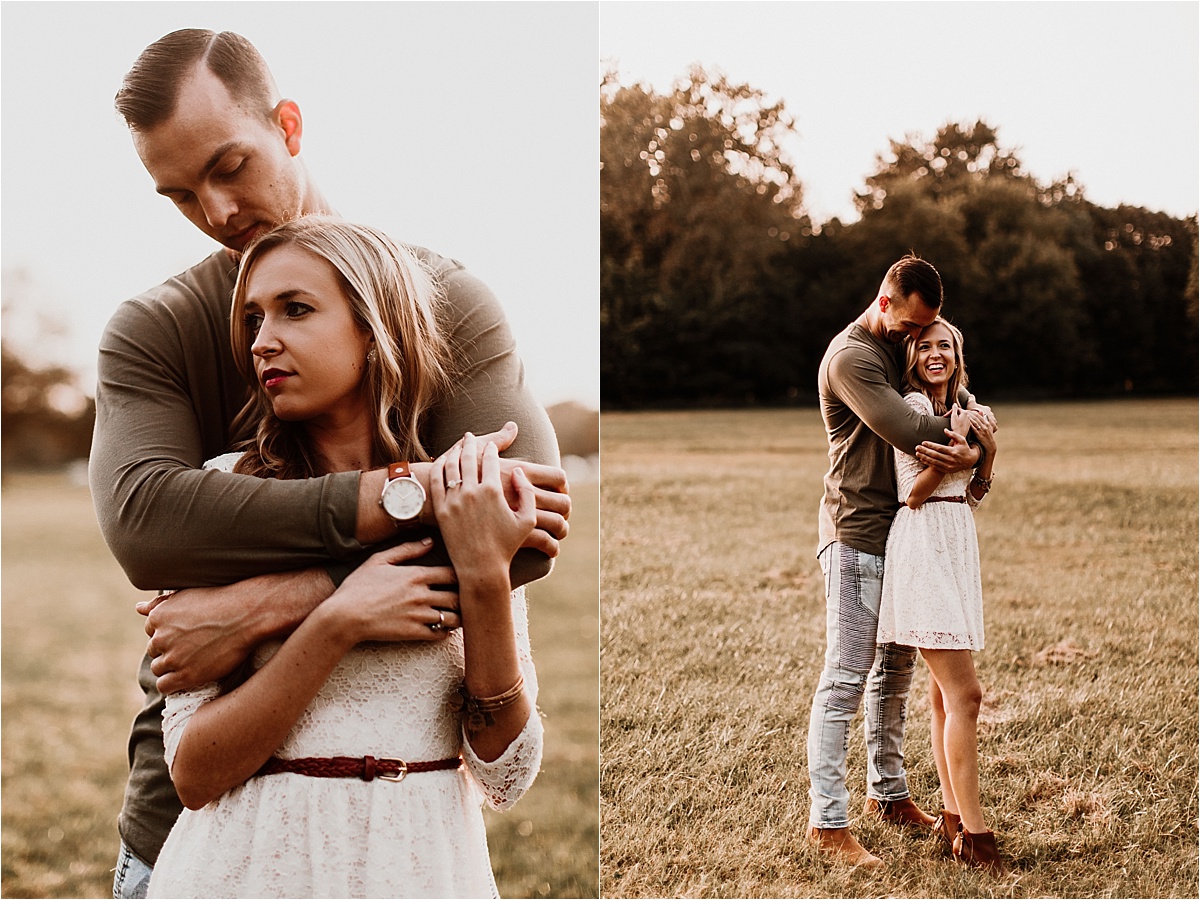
x=937 y=739
x=954 y=672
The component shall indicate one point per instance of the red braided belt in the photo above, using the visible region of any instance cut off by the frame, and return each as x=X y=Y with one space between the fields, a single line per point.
x=365 y=767
x=946 y=499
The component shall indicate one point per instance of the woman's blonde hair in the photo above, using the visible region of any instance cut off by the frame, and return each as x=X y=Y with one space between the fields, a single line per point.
x=958 y=379
x=392 y=296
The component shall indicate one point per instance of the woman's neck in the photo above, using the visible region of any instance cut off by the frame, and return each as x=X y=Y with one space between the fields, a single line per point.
x=342 y=447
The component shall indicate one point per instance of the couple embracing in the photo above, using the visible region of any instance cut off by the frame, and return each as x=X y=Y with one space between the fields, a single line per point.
x=338 y=673
x=900 y=558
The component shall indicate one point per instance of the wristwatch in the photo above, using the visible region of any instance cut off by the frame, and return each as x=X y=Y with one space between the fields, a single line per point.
x=403 y=497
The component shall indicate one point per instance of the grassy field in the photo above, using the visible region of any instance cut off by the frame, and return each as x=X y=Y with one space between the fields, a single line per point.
x=713 y=636
x=71 y=646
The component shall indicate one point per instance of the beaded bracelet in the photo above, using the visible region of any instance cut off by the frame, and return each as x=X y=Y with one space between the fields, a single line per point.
x=477 y=711
x=985 y=483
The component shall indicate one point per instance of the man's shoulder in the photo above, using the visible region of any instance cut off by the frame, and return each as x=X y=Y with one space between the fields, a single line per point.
x=850 y=348
x=469 y=306
x=203 y=290
x=458 y=283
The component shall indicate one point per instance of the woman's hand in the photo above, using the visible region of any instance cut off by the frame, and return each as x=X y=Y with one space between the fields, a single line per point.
x=481 y=529
x=384 y=601
x=985 y=433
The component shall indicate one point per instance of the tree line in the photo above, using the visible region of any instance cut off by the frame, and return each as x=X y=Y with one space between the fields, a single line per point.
x=43 y=422
x=718 y=288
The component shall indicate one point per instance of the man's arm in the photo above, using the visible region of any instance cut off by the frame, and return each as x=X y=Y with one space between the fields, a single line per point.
x=163 y=404
x=861 y=382
x=202 y=634
x=958 y=455
x=490 y=390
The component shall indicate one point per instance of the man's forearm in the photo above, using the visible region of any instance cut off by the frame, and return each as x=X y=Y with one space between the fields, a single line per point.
x=171 y=526
x=202 y=634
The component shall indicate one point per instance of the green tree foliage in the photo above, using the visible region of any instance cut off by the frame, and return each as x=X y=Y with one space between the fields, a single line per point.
x=698 y=205
x=703 y=298
x=1140 y=271
x=955 y=156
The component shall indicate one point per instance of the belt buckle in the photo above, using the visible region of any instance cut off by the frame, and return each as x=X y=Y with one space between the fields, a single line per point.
x=401 y=764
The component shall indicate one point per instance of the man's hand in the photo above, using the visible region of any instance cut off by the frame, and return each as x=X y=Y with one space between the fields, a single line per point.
x=551 y=498
x=200 y=635
x=957 y=456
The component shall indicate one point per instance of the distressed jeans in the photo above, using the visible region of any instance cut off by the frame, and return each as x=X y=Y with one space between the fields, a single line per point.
x=856 y=666
x=132 y=876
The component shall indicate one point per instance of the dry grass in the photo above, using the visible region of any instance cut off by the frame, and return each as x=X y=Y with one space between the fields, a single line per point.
x=713 y=636
x=71 y=646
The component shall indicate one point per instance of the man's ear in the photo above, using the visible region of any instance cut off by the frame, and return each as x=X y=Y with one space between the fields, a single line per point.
x=287 y=117
x=884 y=300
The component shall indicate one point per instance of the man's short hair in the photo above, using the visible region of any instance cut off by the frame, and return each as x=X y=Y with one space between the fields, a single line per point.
x=913 y=275
x=150 y=89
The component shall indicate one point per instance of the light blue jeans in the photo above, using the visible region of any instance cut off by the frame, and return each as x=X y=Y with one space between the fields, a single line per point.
x=856 y=666
x=132 y=876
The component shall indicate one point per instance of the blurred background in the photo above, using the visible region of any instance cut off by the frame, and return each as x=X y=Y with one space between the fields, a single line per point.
x=468 y=128
x=763 y=164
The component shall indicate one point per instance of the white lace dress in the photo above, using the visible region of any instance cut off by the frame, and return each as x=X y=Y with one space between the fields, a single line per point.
x=932 y=592
x=289 y=835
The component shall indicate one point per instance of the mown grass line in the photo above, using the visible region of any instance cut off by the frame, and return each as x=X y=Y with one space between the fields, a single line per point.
x=713 y=636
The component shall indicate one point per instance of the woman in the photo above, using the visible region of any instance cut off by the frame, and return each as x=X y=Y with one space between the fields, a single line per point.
x=290 y=778
x=932 y=594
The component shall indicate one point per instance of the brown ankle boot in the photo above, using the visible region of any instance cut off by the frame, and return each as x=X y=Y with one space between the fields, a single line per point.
x=898 y=812
x=946 y=825
x=978 y=850
x=840 y=845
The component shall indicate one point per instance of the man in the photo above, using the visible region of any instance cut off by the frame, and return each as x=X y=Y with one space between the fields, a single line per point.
x=859 y=381
x=213 y=132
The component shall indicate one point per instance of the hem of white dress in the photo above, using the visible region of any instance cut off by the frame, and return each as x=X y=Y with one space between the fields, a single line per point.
x=923 y=642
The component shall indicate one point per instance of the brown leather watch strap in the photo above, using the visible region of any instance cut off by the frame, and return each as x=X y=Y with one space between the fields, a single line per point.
x=397 y=470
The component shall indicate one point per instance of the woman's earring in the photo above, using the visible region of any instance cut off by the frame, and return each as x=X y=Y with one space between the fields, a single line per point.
x=371 y=357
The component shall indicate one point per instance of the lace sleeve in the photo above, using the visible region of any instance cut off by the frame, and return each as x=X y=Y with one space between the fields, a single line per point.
x=506 y=779
x=971 y=501
x=907 y=467
x=179 y=708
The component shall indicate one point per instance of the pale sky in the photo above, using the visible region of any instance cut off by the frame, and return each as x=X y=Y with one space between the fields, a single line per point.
x=469 y=128
x=1107 y=90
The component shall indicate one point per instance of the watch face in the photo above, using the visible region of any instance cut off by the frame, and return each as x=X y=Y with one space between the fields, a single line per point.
x=403 y=499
